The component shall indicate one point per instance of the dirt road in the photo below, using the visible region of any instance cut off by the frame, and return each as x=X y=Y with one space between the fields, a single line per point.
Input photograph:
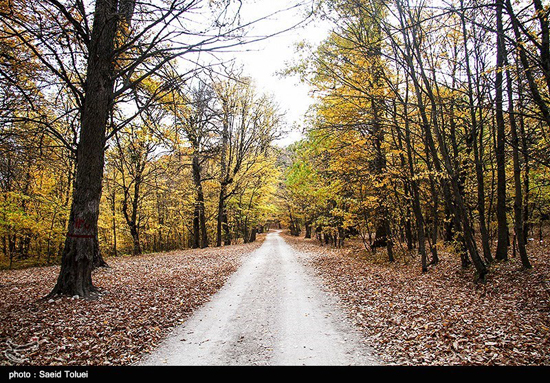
x=272 y=311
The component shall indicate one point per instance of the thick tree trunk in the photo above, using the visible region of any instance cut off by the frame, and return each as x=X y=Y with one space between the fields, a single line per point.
x=253 y=233
x=196 y=227
x=380 y=236
x=134 y=231
x=75 y=277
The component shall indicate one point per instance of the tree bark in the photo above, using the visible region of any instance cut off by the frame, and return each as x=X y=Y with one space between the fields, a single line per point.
x=75 y=277
x=221 y=215
x=475 y=133
x=502 y=231
x=200 y=236
x=224 y=177
x=518 y=198
x=223 y=233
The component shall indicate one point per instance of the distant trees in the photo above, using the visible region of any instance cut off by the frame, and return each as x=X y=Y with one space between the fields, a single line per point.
x=165 y=171
x=432 y=119
x=194 y=115
x=249 y=124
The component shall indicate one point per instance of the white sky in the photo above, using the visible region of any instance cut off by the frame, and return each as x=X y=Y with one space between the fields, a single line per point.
x=264 y=59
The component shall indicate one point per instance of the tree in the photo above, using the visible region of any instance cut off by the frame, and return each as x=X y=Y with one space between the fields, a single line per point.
x=81 y=244
x=194 y=116
x=249 y=124
x=118 y=52
x=502 y=245
x=135 y=152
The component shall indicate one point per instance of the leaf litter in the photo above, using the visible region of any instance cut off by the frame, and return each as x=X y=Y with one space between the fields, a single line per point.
x=142 y=298
x=442 y=317
x=408 y=318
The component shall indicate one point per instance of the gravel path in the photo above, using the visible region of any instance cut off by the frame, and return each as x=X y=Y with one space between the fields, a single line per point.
x=272 y=311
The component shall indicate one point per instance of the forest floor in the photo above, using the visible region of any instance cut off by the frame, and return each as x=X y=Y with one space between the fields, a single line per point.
x=441 y=317
x=143 y=298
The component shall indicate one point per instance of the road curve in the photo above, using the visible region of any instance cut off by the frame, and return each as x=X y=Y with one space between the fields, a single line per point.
x=272 y=311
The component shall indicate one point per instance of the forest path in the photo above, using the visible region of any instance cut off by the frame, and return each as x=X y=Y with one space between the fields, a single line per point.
x=272 y=311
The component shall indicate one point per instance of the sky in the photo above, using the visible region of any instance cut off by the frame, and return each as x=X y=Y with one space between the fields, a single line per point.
x=264 y=59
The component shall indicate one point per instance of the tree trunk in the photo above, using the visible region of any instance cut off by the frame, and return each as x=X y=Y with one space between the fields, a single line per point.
x=526 y=167
x=75 y=277
x=518 y=198
x=200 y=236
x=253 y=233
x=308 y=229
x=420 y=232
x=475 y=133
x=450 y=187
x=196 y=227
x=223 y=234
x=502 y=236
x=225 y=226
x=221 y=213
x=435 y=222
x=134 y=231
x=224 y=179
x=202 y=221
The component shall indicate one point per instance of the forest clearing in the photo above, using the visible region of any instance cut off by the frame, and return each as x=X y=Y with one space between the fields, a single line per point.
x=152 y=159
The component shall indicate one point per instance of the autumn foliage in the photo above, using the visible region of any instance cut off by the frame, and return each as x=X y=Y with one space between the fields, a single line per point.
x=428 y=132
x=421 y=184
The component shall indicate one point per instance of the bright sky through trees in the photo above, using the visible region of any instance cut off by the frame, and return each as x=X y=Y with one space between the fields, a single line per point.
x=262 y=60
